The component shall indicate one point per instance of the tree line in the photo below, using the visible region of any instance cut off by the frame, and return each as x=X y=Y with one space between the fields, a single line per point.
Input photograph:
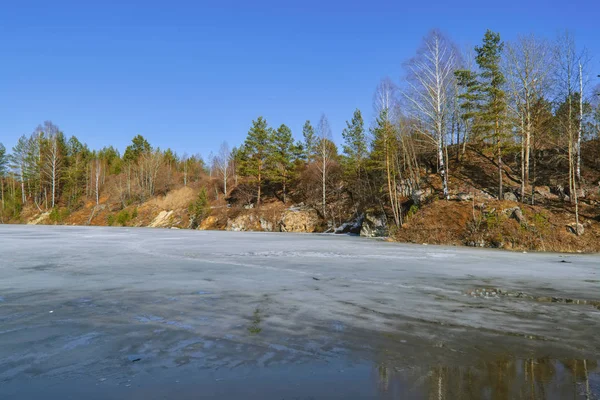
x=525 y=105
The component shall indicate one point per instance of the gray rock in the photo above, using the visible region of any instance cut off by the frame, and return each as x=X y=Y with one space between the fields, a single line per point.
x=265 y=225
x=418 y=196
x=510 y=196
x=464 y=197
x=576 y=230
x=374 y=226
x=353 y=226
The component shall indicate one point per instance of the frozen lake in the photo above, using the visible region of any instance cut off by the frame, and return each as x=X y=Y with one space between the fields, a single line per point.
x=149 y=313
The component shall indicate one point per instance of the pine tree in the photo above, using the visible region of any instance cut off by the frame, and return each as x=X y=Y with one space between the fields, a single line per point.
x=310 y=141
x=281 y=157
x=492 y=110
x=384 y=149
x=356 y=152
x=256 y=152
x=355 y=143
x=468 y=100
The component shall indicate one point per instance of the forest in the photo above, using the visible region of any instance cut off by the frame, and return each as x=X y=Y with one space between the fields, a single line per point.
x=501 y=122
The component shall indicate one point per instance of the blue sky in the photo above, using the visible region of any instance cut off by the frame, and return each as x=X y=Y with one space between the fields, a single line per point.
x=190 y=74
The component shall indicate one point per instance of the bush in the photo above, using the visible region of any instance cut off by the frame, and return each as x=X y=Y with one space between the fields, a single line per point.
x=412 y=210
x=134 y=214
x=58 y=216
x=110 y=220
x=199 y=209
x=123 y=217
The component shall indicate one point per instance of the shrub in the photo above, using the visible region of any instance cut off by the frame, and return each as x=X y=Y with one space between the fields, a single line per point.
x=134 y=214
x=199 y=209
x=412 y=210
x=110 y=220
x=123 y=217
x=57 y=216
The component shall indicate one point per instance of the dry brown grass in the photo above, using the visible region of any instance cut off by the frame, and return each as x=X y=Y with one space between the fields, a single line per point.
x=459 y=223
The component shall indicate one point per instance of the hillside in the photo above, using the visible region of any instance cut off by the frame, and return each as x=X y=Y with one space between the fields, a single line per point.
x=472 y=216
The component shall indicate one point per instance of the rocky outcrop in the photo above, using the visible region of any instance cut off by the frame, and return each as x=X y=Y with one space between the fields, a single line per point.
x=40 y=219
x=544 y=192
x=294 y=219
x=299 y=219
x=353 y=226
x=209 y=222
x=266 y=225
x=243 y=223
x=374 y=225
x=164 y=219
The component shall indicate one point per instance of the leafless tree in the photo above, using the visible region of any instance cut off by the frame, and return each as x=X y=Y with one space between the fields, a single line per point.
x=97 y=173
x=386 y=107
x=223 y=164
x=528 y=60
x=185 y=162
x=52 y=158
x=430 y=79
x=324 y=156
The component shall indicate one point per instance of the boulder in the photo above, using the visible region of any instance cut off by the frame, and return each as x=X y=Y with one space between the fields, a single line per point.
x=576 y=229
x=515 y=213
x=510 y=196
x=374 y=225
x=464 y=196
x=559 y=191
x=299 y=219
x=544 y=192
x=353 y=226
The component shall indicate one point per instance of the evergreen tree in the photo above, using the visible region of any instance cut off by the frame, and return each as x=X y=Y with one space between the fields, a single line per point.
x=256 y=152
x=310 y=141
x=492 y=109
x=199 y=209
x=468 y=99
x=139 y=145
x=355 y=143
x=355 y=150
x=76 y=163
x=384 y=149
x=282 y=157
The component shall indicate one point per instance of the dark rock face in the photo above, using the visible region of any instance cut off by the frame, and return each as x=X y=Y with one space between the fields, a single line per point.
x=353 y=226
x=374 y=226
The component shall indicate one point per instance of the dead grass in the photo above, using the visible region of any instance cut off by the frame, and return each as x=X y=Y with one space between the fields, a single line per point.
x=489 y=225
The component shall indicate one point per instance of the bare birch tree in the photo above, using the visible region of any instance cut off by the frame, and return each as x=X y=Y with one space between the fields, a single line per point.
x=223 y=164
x=97 y=173
x=324 y=156
x=185 y=166
x=567 y=59
x=385 y=142
x=430 y=79
x=528 y=73
x=52 y=158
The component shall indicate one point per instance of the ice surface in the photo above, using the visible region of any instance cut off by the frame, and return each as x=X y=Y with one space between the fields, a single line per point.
x=213 y=300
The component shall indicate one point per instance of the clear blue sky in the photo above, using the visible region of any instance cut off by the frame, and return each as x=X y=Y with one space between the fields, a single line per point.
x=190 y=74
